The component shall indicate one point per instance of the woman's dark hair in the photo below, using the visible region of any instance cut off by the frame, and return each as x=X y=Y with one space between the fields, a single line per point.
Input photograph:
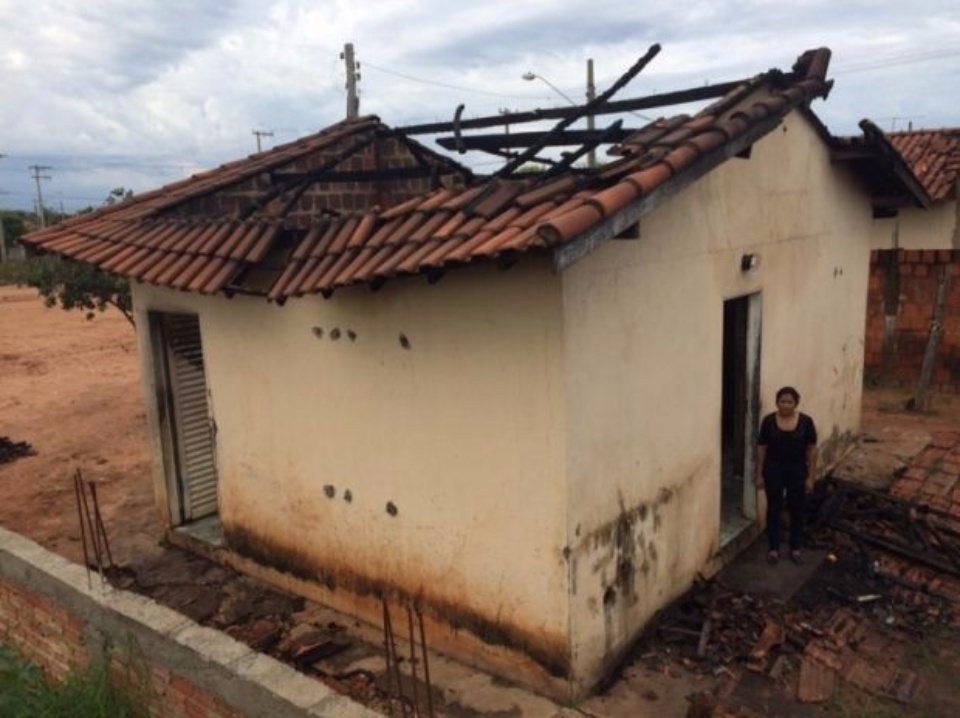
x=788 y=391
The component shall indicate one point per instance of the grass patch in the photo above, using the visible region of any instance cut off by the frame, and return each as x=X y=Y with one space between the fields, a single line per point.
x=104 y=689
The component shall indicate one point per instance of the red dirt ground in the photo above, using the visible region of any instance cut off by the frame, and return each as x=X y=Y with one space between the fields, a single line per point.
x=70 y=387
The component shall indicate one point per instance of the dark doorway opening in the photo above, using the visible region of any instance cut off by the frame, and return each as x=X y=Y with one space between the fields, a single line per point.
x=740 y=395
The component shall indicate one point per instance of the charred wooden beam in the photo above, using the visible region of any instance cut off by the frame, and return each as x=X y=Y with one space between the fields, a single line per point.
x=665 y=99
x=571 y=157
x=583 y=110
x=385 y=175
x=904 y=551
x=503 y=140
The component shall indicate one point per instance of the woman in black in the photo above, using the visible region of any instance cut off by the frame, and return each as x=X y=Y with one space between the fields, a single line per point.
x=786 y=463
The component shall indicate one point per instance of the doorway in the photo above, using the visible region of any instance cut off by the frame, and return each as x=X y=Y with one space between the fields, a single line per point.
x=186 y=425
x=740 y=403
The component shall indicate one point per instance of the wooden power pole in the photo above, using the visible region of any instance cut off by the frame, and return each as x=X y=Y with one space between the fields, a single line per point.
x=353 y=76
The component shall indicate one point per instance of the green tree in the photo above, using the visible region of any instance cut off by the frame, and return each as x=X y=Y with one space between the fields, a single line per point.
x=13 y=226
x=77 y=285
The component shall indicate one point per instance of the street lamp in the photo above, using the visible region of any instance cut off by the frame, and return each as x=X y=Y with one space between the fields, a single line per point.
x=531 y=76
x=591 y=93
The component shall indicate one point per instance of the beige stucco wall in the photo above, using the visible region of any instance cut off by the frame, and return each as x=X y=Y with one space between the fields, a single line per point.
x=643 y=337
x=551 y=443
x=916 y=228
x=462 y=433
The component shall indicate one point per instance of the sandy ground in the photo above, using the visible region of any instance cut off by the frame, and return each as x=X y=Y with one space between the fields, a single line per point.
x=70 y=387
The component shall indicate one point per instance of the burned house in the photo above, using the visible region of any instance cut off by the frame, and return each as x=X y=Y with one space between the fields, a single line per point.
x=524 y=402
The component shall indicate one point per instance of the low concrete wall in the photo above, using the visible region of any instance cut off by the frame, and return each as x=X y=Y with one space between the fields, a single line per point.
x=49 y=614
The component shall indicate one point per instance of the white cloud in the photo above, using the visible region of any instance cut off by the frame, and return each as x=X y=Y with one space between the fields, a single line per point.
x=154 y=89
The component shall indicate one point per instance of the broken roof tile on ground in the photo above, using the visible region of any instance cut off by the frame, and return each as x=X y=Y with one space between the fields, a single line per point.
x=360 y=203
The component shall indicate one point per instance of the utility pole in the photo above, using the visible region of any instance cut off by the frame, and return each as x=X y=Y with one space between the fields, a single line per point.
x=37 y=176
x=353 y=77
x=3 y=238
x=261 y=133
x=591 y=95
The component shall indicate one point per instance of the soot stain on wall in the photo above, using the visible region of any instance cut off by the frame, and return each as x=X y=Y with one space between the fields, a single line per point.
x=550 y=652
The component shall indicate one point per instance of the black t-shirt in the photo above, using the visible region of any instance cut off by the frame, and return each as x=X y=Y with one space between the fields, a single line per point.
x=787 y=447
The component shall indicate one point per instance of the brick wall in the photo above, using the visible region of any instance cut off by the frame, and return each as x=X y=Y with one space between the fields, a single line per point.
x=343 y=197
x=43 y=632
x=48 y=613
x=900 y=304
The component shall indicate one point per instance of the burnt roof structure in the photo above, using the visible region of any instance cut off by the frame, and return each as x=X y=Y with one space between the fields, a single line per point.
x=283 y=223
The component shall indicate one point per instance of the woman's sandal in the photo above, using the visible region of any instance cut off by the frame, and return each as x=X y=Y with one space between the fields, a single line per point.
x=773 y=557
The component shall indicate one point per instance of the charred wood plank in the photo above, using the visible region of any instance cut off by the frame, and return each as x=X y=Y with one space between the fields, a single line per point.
x=892 y=547
x=571 y=157
x=666 y=99
x=587 y=109
x=525 y=139
x=385 y=175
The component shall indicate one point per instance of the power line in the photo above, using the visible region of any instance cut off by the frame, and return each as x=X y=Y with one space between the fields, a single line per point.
x=438 y=83
x=881 y=62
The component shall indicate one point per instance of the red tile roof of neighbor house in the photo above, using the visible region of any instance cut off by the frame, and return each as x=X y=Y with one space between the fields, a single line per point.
x=174 y=237
x=933 y=156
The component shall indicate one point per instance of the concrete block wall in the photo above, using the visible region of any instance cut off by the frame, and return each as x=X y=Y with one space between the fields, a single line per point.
x=900 y=305
x=49 y=614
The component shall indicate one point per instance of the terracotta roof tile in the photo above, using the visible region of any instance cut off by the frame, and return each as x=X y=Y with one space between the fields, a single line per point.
x=178 y=237
x=933 y=156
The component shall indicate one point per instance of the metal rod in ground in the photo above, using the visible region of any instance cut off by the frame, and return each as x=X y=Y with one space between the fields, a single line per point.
x=388 y=624
x=77 y=488
x=386 y=650
x=426 y=664
x=95 y=539
x=413 y=662
x=100 y=527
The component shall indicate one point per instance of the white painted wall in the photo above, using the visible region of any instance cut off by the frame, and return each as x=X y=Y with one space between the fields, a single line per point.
x=463 y=432
x=643 y=337
x=545 y=438
x=916 y=228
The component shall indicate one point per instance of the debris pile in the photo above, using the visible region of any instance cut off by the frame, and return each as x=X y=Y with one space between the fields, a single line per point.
x=11 y=450
x=891 y=574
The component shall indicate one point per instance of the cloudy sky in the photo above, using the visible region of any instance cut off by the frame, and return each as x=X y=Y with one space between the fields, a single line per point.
x=143 y=92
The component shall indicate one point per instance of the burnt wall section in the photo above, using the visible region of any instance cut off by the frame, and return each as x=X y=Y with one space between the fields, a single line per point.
x=48 y=613
x=900 y=306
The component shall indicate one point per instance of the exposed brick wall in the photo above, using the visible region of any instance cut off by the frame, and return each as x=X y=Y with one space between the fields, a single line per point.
x=344 y=197
x=43 y=632
x=49 y=636
x=902 y=293
x=50 y=615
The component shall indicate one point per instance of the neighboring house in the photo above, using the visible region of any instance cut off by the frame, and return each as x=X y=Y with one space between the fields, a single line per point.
x=539 y=426
x=916 y=240
x=929 y=216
